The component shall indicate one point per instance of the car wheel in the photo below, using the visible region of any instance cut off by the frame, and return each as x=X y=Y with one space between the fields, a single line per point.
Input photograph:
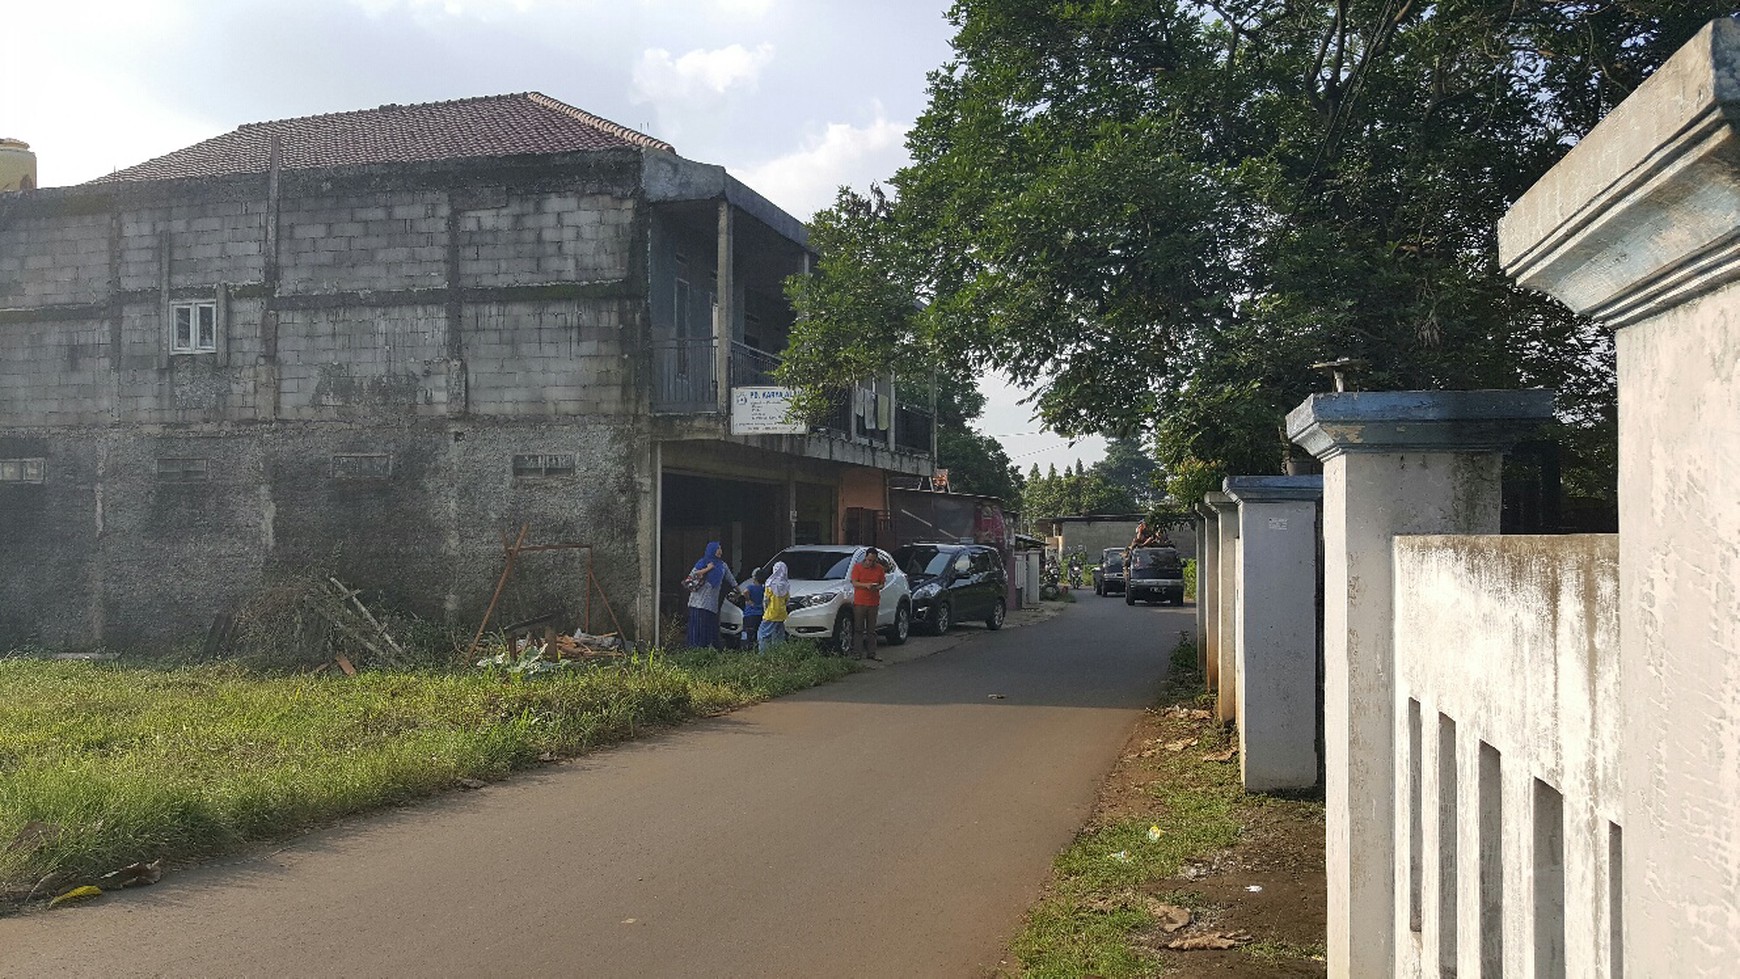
x=995 y=620
x=942 y=618
x=1100 y=590
x=902 y=626
x=843 y=634
x=1129 y=599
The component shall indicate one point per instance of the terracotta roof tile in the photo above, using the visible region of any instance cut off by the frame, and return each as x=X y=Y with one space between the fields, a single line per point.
x=488 y=126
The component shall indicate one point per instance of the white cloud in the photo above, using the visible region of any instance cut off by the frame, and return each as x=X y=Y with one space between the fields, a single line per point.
x=805 y=181
x=658 y=77
x=745 y=8
x=481 y=9
x=724 y=10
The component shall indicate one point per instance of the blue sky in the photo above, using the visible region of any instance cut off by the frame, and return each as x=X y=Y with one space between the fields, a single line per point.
x=796 y=97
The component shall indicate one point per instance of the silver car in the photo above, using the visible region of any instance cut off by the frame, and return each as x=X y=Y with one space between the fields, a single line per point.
x=821 y=598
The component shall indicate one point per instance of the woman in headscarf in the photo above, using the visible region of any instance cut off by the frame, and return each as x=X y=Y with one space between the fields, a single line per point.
x=707 y=584
x=776 y=603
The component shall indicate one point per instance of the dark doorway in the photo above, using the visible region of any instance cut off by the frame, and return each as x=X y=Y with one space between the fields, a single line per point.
x=872 y=527
x=747 y=518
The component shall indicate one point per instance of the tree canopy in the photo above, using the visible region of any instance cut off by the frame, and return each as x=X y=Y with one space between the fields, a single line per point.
x=1077 y=491
x=1162 y=214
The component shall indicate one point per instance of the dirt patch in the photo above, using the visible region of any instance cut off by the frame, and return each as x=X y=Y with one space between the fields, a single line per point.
x=1269 y=885
x=1173 y=830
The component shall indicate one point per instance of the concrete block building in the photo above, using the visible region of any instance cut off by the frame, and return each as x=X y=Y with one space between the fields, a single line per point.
x=375 y=343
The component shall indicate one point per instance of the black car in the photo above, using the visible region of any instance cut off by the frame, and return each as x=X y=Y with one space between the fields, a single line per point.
x=954 y=583
x=1154 y=574
x=1109 y=573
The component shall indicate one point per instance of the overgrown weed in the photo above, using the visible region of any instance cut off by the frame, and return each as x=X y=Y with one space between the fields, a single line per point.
x=107 y=764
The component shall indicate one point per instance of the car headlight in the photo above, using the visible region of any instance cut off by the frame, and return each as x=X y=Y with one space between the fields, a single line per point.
x=811 y=601
x=930 y=590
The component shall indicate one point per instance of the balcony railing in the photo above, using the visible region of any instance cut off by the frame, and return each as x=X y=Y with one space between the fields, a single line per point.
x=751 y=367
x=912 y=429
x=683 y=383
x=683 y=376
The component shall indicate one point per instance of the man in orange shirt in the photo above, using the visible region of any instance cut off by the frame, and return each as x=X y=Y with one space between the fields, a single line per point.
x=868 y=576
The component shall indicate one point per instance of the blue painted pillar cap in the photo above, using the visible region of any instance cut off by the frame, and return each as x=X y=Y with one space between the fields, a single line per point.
x=1273 y=489
x=1329 y=425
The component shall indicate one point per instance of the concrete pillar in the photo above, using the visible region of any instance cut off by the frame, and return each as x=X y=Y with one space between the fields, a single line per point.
x=1208 y=596
x=722 y=313
x=1204 y=527
x=1225 y=685
x=1276 y=675
x=1394 y=462
x=1636 y=227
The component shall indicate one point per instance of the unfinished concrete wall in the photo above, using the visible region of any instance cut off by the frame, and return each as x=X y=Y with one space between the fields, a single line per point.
x=407 y=363
x=1509 y=798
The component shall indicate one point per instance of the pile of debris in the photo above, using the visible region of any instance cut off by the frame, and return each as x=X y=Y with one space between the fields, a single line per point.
x=581 y=645
x=309 y=620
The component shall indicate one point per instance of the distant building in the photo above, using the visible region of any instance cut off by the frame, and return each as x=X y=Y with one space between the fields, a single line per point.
x=378 y=342
x=1095 y=532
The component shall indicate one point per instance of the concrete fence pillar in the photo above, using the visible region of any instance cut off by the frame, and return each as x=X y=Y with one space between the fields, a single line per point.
x=1639 y=226
x=1224 y=670
x=1394 y=462
x=1204 y=527
x=1208 y=596
x=1276 y=673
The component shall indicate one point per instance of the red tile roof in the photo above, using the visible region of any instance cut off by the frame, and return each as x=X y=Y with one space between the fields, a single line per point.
x=488 y=126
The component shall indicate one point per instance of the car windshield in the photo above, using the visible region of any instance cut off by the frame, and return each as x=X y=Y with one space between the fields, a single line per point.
x=922 y=561
x=817 y=565
x=1113 y=555
x=1155 y=562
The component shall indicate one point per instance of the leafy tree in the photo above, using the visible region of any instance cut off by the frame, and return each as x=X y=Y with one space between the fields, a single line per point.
x=1189 y=480
x=1128 y=466
x=1161 y=210
x=1074 y=493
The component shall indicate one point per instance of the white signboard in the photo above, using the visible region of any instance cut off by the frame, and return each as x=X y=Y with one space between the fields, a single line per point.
x=763 y=411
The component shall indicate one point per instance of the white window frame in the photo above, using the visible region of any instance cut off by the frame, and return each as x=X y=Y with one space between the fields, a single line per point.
x=21 y=470
x=193 y=341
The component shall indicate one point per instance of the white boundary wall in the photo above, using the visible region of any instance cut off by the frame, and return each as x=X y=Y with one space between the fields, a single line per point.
x=1532 y=746
x=1508 y=789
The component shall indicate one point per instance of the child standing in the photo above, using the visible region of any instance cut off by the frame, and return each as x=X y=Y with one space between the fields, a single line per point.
x=775 y=602
x=752 y=592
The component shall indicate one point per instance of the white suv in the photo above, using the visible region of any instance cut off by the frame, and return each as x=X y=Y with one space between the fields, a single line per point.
x=821 y=597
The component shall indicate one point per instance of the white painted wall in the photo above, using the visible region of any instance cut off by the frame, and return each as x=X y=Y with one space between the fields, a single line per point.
x=1636 y=228
x=1510 y=643
x=1276 y=673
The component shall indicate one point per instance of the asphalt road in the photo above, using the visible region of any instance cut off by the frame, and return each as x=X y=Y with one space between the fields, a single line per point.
x=896 y=823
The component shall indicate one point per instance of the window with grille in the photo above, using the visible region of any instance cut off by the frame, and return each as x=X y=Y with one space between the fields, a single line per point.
x=20 y=470
x=543 y=465
x=182 y=470
x=351 y=465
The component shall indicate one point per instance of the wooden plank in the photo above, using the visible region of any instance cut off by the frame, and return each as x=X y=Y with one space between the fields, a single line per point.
x=506 y=571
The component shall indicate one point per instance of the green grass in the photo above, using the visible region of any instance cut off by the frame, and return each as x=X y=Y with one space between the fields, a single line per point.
x=122 y=764
x=1094 y=911
x=1275 y=952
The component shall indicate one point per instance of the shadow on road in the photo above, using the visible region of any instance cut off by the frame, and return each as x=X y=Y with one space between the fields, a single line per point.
x=1097 y=653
